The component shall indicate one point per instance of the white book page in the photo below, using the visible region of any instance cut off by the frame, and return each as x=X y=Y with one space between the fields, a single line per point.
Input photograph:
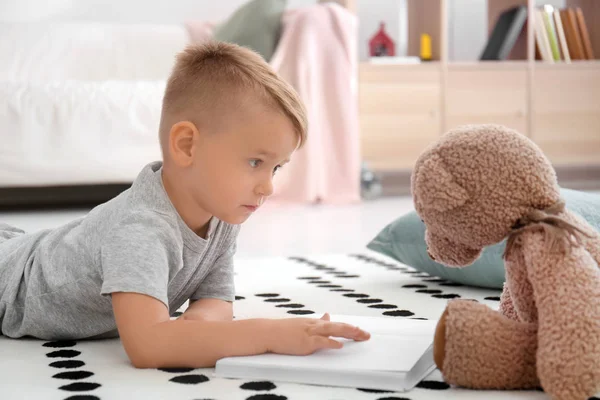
x=394 y=346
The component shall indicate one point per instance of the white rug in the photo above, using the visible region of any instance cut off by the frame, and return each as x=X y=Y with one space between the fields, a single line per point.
x=365 y=284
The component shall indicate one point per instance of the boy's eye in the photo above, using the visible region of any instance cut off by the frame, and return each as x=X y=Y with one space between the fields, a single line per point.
x=255 y=163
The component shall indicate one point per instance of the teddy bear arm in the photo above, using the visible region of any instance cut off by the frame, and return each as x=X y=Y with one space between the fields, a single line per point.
x=506 y=307
x=566 y=287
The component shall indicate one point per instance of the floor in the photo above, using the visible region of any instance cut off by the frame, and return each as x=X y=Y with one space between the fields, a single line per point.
x=277 y=230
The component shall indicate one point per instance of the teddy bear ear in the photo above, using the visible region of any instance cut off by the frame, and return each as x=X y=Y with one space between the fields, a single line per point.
x=435 y=188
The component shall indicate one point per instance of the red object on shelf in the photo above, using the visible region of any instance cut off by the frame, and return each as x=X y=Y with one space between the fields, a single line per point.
x=381 y=44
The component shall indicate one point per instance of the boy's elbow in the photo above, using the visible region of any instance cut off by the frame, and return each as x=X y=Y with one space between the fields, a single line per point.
x=143 y=358
x=140 y=351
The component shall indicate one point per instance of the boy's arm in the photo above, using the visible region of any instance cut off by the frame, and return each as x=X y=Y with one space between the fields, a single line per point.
x=152 y=340
x=209 y=310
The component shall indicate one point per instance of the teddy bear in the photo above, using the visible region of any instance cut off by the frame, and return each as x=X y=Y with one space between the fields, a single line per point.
x=477 y=186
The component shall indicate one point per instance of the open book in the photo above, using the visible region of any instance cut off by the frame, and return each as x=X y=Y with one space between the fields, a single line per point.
x=398 y=355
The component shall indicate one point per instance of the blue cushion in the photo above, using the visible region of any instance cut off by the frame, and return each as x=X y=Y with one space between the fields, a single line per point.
x=404 y=241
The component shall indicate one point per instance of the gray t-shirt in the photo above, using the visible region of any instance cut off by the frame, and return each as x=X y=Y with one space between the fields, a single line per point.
x=56 y=284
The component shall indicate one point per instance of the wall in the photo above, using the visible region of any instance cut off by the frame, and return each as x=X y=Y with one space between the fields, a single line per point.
x=370 y=13
x=467 y=19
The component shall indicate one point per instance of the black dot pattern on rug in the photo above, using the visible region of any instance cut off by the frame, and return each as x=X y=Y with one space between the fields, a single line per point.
x=177 y=314
x=73 y=375
x=291 y=305
x=399 y=313
x=393 y=398
x=258 y=386
x=60 y=344
x=300 y=312
x=446 y=296
x=433 y=385
x=414 y=286
x=322 y=267
x=277 y=300
x=67 y=364
x=267 y=295
x=190 y=379
x=63 y=354
x=429 y=291
x=383 y=306
x=266 y=396
x=350 y=293
x=83 y=397
x=176 y=370
x=374 y=390
x=371 y=260
x=422 y=319
x=369 y=301
x=80 y=386
x=495 y=298
x=239 y=297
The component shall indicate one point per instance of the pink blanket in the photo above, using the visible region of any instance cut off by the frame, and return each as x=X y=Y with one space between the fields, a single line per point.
x=317 y=55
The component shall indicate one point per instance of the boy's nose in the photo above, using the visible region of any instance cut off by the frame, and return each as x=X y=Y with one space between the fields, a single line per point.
x=266 y=188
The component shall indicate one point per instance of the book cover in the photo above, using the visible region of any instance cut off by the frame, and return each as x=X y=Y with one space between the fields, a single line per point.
x=549 y=25
x=542 y=37
x=505 y=33
x=572 y=35
x=561 y=36
x=397 y=357
x=585 y=36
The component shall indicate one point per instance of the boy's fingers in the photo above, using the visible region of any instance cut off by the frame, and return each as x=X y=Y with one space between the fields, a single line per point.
x=325 y=317
x=322 y=342
x=338 y=329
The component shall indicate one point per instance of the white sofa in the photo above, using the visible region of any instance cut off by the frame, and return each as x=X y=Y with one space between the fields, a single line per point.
x=80 y=103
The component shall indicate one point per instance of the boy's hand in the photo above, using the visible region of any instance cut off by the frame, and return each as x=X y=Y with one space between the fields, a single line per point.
x=303 y=336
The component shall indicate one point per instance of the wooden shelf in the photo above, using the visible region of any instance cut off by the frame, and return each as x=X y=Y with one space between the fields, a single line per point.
x=405 y=107
x=487 y=65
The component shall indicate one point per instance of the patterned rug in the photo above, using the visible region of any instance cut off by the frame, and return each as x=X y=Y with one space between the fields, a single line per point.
x=358 y=284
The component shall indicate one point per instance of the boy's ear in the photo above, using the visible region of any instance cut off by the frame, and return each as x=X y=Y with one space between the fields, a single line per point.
x=182 y=137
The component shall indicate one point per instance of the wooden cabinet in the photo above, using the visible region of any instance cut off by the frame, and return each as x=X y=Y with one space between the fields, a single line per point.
x=399 y=110
x=496 y=93
x=404 y=108
x=566 y=112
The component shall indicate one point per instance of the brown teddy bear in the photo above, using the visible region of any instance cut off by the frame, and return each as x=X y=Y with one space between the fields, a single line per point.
x=478 y=185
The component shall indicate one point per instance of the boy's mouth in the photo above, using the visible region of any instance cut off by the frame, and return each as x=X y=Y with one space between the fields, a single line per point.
x=250 y=208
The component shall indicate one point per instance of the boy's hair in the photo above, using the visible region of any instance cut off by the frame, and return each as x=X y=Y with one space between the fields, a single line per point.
x=210 y=79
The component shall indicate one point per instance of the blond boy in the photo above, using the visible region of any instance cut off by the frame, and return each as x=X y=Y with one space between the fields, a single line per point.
x=228 y=124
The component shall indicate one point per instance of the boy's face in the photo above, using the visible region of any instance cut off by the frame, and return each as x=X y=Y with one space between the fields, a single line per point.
x=233 y=168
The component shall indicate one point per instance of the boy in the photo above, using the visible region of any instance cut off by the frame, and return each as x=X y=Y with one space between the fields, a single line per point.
x=228 y=123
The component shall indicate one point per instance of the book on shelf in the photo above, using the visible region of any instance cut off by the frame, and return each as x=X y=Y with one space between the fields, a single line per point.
x=397 y=357
x=585 y=36
x=506 y=30
x=550 y=28
x=562 y=34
